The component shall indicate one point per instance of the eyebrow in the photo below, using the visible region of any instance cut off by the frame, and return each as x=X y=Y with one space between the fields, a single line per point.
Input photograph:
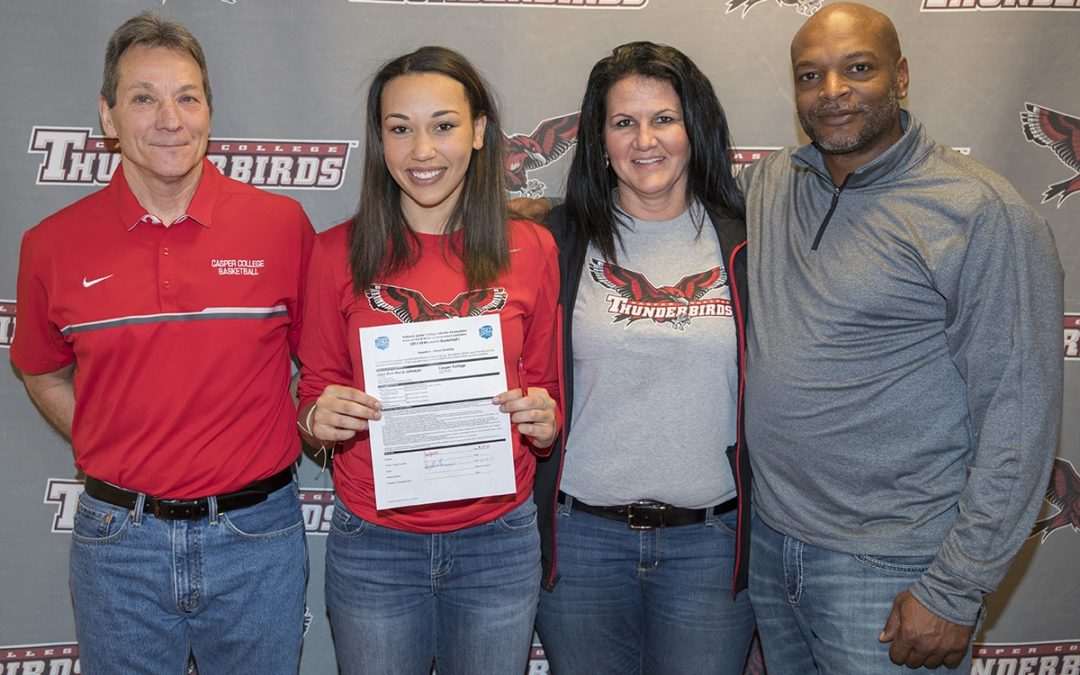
x=152 y=86
x=853 y=56
x=403 y=116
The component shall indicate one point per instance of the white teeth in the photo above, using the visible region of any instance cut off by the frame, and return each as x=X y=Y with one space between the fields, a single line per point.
x=652 y=160
x=425 y=175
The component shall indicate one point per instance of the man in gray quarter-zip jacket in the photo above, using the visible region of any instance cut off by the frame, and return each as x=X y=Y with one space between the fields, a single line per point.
x=904 y=374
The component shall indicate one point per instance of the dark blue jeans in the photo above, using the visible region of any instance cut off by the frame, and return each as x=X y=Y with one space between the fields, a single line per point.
x=644 y=601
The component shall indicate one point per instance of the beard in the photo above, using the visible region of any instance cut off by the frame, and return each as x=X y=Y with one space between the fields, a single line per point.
x=878 y=120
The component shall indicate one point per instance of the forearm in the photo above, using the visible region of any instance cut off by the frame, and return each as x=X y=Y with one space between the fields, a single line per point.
x=54 y=395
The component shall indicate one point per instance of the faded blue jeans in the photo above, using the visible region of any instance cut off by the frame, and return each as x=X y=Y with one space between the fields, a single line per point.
x=820 y=611
x=229 y=588
x=644 y=601
x=465 y=600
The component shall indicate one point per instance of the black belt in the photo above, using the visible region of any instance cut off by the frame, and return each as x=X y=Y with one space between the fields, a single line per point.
x=647 y=514
x=189 y=509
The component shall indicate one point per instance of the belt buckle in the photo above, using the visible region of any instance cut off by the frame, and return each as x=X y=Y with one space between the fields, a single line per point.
x=645 y=515
x=174 y=509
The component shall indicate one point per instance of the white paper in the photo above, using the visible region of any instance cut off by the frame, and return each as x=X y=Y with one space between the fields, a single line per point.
x=440 y=437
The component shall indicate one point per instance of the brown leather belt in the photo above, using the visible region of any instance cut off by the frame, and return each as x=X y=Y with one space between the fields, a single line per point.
x=647 y=514
x=189 y=509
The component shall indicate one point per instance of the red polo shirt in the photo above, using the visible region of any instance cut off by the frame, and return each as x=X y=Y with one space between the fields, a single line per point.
x=181 y=336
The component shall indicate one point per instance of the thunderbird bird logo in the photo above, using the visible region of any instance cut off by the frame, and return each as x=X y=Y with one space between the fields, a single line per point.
x=637 y=298
x=1061 y=133
x=411 y=306
x=524 y=153
x=804 y=7
x=1064 y=493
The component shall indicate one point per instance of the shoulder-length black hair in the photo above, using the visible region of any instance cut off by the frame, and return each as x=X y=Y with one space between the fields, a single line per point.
x=590 y=182
x=380 y=241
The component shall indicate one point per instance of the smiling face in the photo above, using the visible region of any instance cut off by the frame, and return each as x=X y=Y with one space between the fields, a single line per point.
x=647 y=146
x=161 y=117
x=849 y=79
x=428 y=137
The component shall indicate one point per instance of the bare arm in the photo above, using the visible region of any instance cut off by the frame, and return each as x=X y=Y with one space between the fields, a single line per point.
x=54 y=395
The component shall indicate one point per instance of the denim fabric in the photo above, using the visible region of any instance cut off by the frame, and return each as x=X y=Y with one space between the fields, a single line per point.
x=465 y=600
x=228 y=588
x=820 y=611
x=644 y=601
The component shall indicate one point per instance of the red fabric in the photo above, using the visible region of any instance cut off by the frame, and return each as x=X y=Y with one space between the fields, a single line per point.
x=330 y=353
x=182 y=361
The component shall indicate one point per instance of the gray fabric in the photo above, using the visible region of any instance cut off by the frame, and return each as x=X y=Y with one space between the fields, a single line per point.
x=904 y=380
x=654 y=402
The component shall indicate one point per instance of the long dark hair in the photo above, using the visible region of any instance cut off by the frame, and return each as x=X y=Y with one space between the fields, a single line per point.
x=380 y=241
x=590 y=182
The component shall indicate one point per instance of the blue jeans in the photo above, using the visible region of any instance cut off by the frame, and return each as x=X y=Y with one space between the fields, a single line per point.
x=820 y=611
x=228 y=588
x=465 y=600
x=644 y=601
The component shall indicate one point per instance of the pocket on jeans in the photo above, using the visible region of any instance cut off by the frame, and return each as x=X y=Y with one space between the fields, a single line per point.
x=96 y=524
x=344 y=523
x=725 y=522
x=897 y=564
x=520 y=518
x=278 y=516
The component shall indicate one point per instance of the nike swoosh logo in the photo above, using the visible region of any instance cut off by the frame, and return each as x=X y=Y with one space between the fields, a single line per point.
x=88 y=284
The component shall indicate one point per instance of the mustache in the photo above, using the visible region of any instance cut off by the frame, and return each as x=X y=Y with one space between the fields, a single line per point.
x=838 y=109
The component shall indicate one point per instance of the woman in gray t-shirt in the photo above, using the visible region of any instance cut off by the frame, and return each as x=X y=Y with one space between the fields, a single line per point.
x=647 y=504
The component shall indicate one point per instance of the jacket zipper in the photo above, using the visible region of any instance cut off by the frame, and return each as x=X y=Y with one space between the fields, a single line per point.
x=832 y=207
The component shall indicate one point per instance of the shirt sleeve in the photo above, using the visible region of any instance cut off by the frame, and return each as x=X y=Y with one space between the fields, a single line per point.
x=38 y=346
x=324 y=350
x=296 y=312
x=1003 y=326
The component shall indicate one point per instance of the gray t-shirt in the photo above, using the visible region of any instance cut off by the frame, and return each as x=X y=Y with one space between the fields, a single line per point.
x=655 y=377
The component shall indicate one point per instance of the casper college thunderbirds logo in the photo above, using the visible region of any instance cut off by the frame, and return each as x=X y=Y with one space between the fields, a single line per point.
x=74 y=156
x=1064 y=493
x=1061 y=134
x=316 y=505
x=636 y=298
x=7 y=322
x=411 y=306
x=549 y=141
x=804 y=7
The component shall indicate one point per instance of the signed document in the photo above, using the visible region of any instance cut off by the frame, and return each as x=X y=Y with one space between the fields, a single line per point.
x=440 y=437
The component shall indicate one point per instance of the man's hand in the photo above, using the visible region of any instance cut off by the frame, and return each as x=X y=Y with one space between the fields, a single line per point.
x=921 y=638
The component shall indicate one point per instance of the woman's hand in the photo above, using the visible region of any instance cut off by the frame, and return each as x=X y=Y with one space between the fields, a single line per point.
x=340 y=412
x=535 y=414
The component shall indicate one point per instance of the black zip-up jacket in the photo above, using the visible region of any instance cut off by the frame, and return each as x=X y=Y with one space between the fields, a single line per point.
x=572 y=248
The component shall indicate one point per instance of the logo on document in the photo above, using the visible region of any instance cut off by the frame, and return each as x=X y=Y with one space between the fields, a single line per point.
x=549 y=141
x=410 y=306
x=1061 y=134
x=636 y=298
x=486 y=332
x=804 y=7
x=382 y=342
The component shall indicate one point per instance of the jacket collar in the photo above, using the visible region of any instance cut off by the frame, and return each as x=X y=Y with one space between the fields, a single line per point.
x=901 y=156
